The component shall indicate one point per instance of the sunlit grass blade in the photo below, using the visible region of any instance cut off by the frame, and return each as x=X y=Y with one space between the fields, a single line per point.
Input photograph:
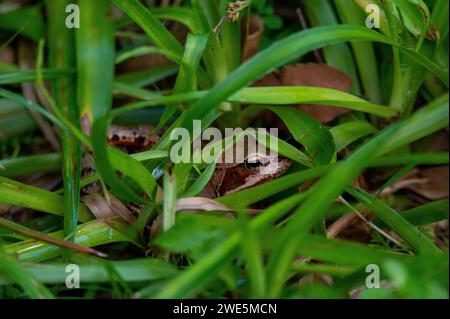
x=347 y=133
x=15 y=193
x=273 y=96
x=316 y=138
x=179 y=14
x=309 y=95
x=94 y=233
x=31 y=233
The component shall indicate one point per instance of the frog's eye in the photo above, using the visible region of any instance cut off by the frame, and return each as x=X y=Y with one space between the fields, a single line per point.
x=252 y=165
x=255 y=161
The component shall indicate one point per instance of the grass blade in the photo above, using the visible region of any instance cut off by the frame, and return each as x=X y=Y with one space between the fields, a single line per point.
x=62 y=56
x=18 y=274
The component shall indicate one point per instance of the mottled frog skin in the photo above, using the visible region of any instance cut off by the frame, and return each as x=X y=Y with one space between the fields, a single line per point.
x=258 y=168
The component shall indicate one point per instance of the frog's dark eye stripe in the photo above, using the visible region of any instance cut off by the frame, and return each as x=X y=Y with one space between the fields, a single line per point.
x=252 y=165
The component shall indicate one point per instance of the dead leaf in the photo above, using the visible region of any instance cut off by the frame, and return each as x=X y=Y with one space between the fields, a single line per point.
x=317 y=75
x=270 y=79
x=103 y=208
x=97 y=205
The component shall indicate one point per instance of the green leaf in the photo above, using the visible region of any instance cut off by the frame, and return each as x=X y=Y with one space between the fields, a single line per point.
x=15 y=193
x=423 y=215
x=347 y=133
x=62 y=56
x=306 y=130
x=19 y=166
x=154 y=29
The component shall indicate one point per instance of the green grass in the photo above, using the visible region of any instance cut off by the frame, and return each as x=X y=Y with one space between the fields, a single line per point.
x=398 y=102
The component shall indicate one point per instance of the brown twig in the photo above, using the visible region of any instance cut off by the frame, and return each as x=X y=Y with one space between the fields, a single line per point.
x=4 y=223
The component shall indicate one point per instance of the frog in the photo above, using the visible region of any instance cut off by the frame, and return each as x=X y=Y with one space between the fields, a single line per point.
x=257 y=168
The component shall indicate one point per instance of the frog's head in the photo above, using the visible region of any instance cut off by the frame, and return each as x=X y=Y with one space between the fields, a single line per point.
x=257 y=168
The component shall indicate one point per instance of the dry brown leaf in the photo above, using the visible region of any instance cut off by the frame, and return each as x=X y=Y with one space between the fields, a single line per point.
x=98 y=205
x=270 y=79
x=103 y=208
x=120 y=209
x=317 y=75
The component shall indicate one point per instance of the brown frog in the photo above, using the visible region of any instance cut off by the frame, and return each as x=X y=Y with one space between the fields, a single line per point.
x=257 y=168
